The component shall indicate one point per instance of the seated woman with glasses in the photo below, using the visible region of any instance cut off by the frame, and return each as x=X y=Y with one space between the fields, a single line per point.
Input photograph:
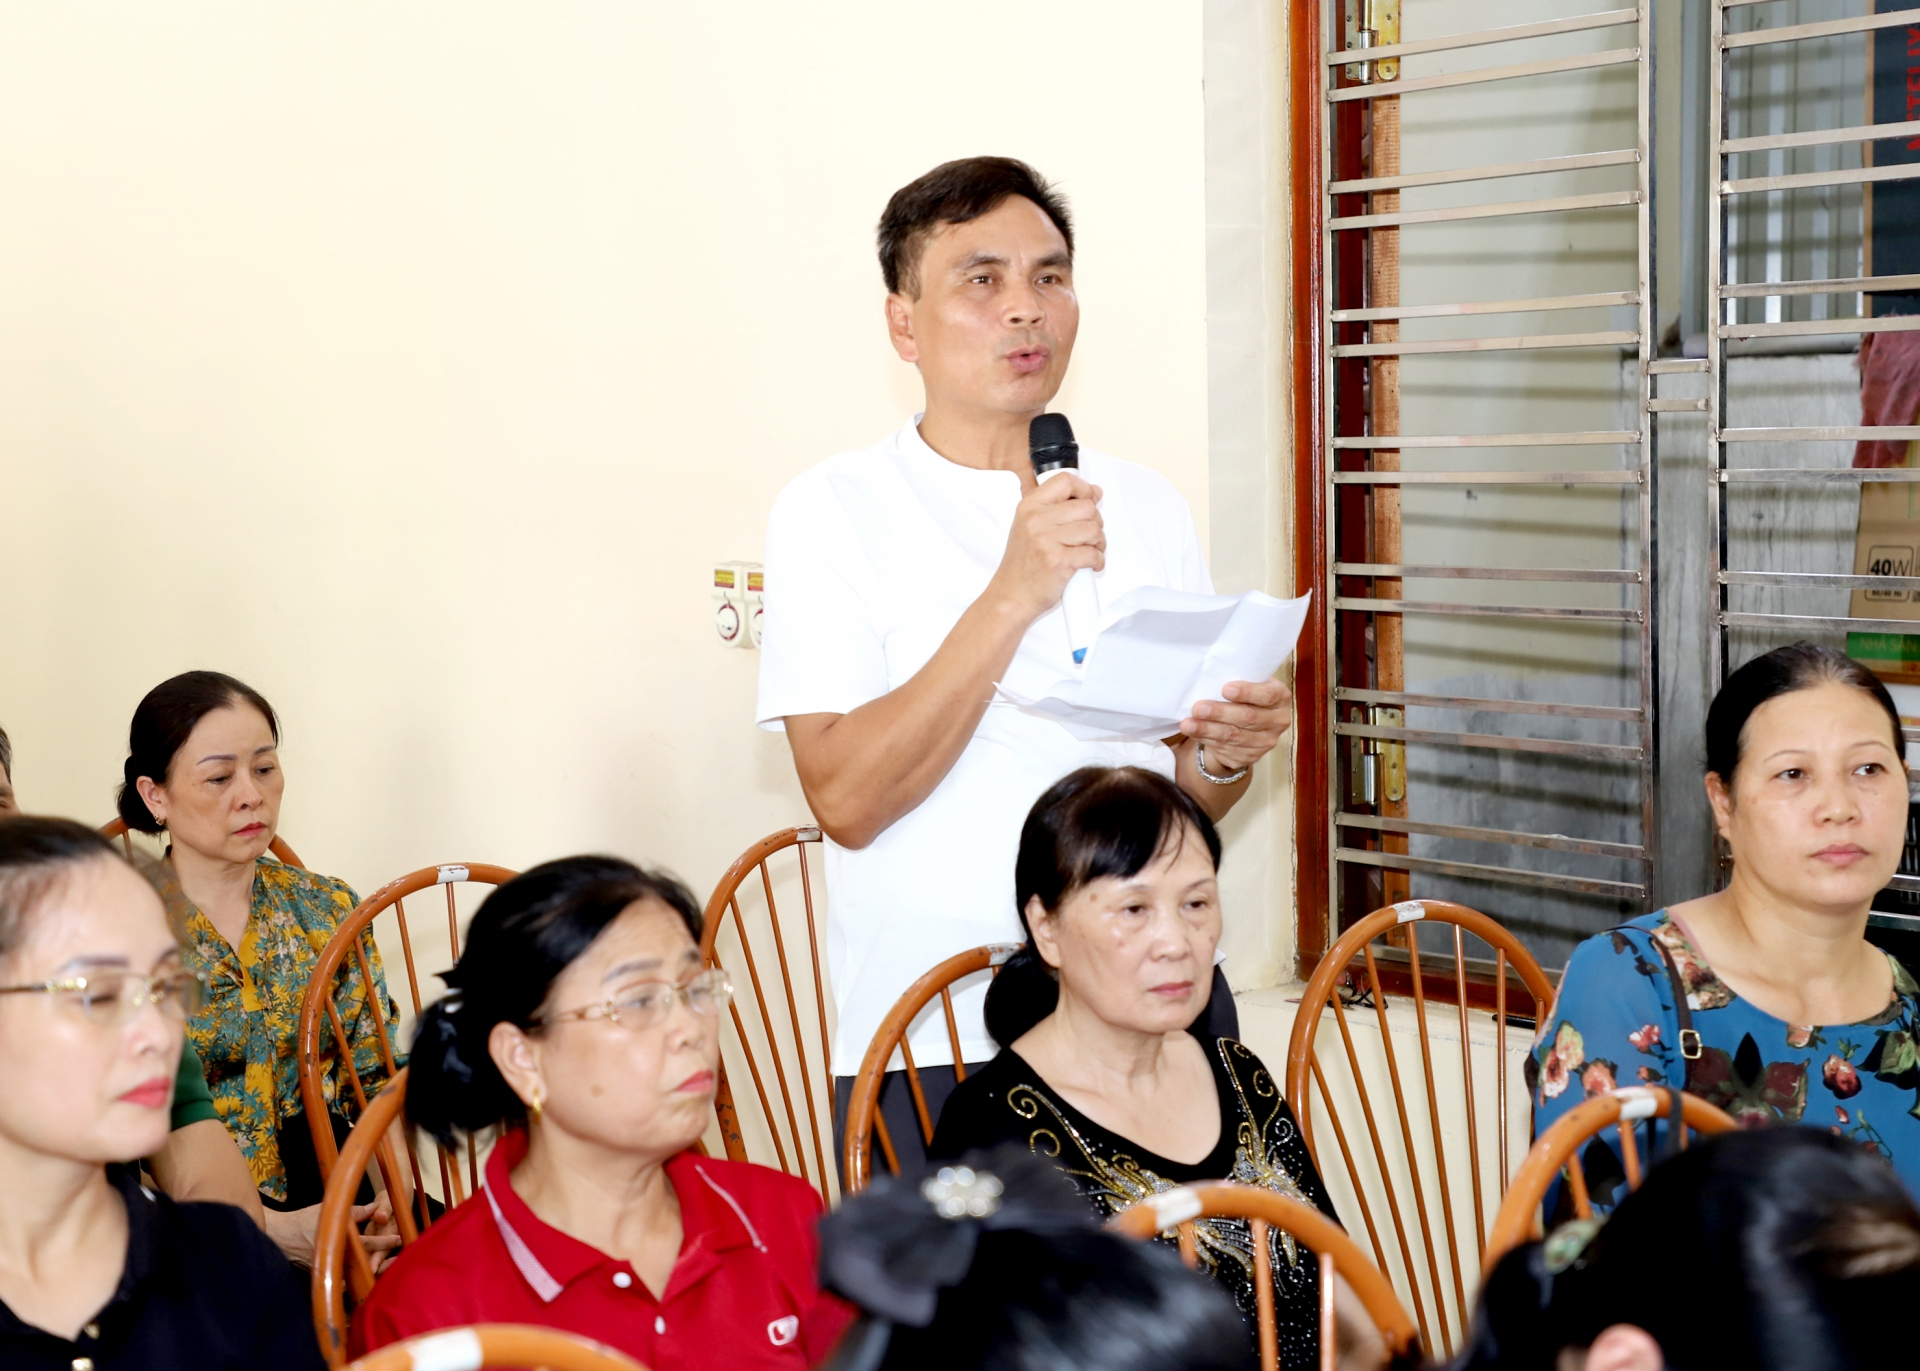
x=581 y=1021
x=95 y=1270
x=203 y=766
x=1765 y=998
x=1100 y=1067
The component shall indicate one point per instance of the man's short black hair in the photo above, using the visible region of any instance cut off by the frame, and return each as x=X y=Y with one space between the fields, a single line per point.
x=957 y=193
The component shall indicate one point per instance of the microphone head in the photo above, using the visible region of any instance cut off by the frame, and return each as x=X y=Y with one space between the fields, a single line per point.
x=1050 y=443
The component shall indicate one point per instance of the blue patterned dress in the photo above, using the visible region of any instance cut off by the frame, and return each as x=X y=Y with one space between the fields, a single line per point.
x=1614 y=1023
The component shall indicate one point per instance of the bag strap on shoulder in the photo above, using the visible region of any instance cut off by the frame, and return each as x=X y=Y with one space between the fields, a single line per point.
x=1688 y=1038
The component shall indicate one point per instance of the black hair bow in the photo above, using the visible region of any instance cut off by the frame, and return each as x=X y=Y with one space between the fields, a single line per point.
x=895 y=1246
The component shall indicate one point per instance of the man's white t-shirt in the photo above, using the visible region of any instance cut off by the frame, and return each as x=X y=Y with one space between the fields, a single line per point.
x=871 y=559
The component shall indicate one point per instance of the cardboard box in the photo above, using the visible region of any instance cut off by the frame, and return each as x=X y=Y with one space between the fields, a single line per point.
x=1888 y=544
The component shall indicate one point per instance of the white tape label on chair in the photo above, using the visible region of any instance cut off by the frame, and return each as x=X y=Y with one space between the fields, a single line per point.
x=450 y=874
x=1408 y=910
x=1174 y=1207
x=458 y=1350
x=1637 y=1102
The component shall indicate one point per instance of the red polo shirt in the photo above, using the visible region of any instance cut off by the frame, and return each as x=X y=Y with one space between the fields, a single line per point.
x=743 y=1292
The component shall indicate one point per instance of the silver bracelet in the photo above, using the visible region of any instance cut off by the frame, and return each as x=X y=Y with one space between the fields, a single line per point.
x=1200 y=761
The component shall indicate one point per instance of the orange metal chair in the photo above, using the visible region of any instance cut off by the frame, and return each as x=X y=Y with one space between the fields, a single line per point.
x=497 y=1344
x=278 y=847
x=341 y=1264
x=1177 y=1209
x=800 y=1062
x=319 y=1013
x=1353 y=974
x=864 y=1123
x=1559 y=1147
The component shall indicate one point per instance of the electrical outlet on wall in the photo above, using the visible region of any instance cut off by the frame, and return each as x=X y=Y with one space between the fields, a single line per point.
x=736 y=603
x=730 y=603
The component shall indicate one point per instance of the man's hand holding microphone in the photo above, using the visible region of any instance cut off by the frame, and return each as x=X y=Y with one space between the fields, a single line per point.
x=1057 y=532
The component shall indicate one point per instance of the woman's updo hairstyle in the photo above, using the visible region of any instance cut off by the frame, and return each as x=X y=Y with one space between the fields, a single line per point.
x=1803 y=666
x=522 y=937
x=1095 y=822
x=162 y=724
x=36 y=855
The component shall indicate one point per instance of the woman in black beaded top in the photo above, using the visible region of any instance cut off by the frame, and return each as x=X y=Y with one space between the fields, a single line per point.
x=1099 y=1068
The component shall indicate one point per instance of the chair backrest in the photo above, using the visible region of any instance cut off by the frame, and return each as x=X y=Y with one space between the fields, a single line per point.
x=1519 y=1219
x=756 y=919
x=497 y=1344
x=279 y=847
x=1414 y=1171
x=320 y=1015
x=864 y=1123
x=1177 y=1209
x=341 y=1264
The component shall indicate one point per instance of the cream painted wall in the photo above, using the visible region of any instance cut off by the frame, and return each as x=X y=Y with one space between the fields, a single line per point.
x=413 y=363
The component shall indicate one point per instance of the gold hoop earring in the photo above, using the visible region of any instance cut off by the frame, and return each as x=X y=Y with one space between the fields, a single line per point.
x=533 y=1107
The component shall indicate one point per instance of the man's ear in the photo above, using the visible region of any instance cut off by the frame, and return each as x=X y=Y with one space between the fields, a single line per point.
x=900 y=327
x=518 y=1061
x=1624 y=1347
x=1041 y=927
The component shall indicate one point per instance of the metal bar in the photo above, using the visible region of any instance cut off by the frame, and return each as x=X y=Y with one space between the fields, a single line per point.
x=1513 y=33
x=1486 y=478
x=1549 y=302
x=1647 y=539
x=1677 y=406
x=1557 y=842
x=1817 y=581
x=1716 y=312
x=1844 y=285
x=1395 y=861
x=1503 y=209
x=1903 y=323
x=1843 y=433
x=1495 y=742
x=1618 y=437
x=1825 y=28
x=1814 y=138
x=1819 y=476
x=1675 y=366
x=1398 y=570
x=1419 y=701
x=1817 y=624
x=1611 y=338
x=1618 y=57
x=1803 y=180
x=1539 y=166
x=1373 y=606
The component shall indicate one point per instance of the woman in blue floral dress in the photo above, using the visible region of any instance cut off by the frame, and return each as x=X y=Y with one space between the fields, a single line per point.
x=1765 y=998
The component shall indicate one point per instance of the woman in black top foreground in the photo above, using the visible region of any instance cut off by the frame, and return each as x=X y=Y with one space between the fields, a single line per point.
x=1099 y=1069
x=96 y=1272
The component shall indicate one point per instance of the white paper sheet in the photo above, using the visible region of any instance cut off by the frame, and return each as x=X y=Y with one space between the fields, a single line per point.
x=1159 y=652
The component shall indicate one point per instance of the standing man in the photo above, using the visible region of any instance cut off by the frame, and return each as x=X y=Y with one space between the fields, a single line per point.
x=905 y=580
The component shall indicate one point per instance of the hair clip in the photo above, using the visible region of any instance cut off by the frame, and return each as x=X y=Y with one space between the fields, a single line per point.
x=960 y=1192
x=1567 y=1245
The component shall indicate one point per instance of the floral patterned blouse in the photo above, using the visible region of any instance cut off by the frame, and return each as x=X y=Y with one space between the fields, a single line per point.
x=1614 y=1023
x=1259 y=1144
x=245 y=1035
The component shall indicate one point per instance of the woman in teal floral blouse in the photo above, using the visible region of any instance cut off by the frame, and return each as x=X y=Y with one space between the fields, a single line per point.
x=203 y=765
x=1765 y=998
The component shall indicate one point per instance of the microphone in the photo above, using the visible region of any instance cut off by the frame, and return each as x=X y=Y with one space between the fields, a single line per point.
x=1051 y=446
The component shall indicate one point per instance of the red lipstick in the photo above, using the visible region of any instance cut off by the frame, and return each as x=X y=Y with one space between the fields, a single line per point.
x=154 y=1094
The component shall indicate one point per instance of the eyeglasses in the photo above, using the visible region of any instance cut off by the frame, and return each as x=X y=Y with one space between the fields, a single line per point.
x=647 y=1004
x=115 y=998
